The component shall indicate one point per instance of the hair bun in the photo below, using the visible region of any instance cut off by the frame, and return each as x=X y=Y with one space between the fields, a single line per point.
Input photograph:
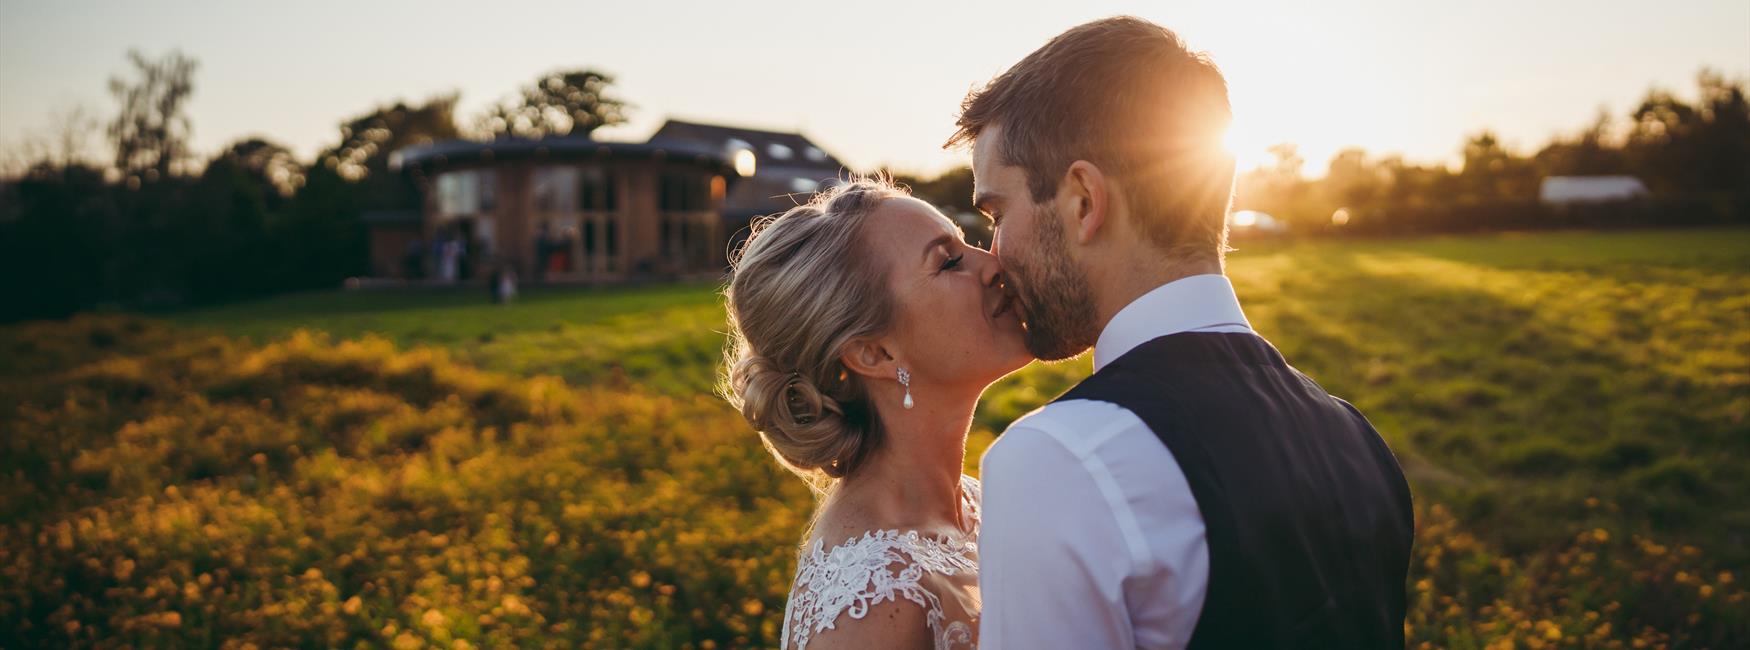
x=803 y=425
x=802 y=286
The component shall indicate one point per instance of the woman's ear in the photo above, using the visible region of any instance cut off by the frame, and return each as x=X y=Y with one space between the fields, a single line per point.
x=868 y=357
x=1086 y=198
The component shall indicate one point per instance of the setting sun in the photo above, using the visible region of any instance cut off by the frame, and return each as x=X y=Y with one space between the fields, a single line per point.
x=1248 y=152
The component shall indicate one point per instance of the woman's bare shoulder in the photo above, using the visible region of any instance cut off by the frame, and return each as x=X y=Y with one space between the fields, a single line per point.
x=845 y=519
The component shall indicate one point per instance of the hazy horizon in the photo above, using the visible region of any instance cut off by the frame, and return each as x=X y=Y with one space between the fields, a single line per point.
x=876 y=87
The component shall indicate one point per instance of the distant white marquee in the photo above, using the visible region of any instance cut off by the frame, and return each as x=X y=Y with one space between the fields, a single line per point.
x=1566 y=190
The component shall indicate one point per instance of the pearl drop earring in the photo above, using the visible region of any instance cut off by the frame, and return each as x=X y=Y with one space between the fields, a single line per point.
x=905 y=380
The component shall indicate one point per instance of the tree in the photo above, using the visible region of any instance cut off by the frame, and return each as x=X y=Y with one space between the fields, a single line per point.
x=951 y=192
x=71 y=129
x=367 y=140
x=1593 y=152
x=1702 y=147
x=1351 y=181
x=59 y=238
x=560 y=103
x=268 y=163
x=1491 y=172
x=322 y=222
x=151 y=130
x=1278 y=189
x=64 y=146
x=1724 y=137
x=322 y=225
x=222 y=226
x=1411 y=185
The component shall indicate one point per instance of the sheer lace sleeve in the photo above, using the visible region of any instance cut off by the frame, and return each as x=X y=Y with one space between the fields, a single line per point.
x=882 y=566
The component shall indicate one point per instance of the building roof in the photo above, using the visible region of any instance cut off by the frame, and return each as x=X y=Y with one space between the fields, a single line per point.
x=452 y=152
x=771 y=193
x=789 y=168
x=773 y=148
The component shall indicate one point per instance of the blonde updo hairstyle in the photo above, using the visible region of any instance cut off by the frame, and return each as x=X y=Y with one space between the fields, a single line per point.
x=802 y=286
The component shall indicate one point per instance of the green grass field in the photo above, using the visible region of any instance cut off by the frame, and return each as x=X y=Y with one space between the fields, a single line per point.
x=1542 y=366
x=1571 y=408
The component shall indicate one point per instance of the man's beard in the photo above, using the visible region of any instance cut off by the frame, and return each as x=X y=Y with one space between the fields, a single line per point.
x=1054 y=294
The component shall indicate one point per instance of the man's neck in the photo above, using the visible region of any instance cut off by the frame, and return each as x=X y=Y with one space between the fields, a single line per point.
x=1122 y=284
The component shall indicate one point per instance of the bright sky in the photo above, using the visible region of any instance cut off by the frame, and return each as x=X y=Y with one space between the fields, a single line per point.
x=877 y=83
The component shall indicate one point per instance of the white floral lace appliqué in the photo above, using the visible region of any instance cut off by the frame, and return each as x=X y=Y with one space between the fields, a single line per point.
x=880 y=566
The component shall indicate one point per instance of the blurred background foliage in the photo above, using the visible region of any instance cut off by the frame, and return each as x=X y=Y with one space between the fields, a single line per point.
x=159 y=227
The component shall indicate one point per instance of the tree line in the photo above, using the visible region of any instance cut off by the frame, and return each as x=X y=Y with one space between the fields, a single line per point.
x=1694 y=158
x=155 y=226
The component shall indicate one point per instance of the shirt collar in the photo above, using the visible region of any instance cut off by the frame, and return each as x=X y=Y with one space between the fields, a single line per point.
x=1186 y=304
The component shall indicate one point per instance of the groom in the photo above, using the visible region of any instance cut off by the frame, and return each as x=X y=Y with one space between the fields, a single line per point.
x=1196 y=491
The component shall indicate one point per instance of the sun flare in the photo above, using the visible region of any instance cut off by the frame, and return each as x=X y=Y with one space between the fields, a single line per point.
x=1249 y=153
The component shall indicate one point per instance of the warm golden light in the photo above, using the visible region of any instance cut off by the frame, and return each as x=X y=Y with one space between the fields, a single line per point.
x=1243 y=145
x=744 y=163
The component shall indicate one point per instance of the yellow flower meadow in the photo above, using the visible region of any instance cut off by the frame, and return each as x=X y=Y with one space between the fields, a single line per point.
x=348 y=494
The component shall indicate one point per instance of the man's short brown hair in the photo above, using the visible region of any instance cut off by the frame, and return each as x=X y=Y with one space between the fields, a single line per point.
x=1126 y=95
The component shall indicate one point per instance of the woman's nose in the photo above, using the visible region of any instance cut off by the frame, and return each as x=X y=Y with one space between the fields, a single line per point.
x=990 y=271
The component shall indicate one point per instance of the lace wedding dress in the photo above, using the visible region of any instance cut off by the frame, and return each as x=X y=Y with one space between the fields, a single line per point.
x=938 y=574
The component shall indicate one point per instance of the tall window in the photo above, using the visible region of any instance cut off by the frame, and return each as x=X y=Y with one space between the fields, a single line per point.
x=684 y=192
x=458 y=193
x=589 y=242
x=611 y=239
x=597 y=190
x=701 y=250
x=488 y=180
x=555 y=189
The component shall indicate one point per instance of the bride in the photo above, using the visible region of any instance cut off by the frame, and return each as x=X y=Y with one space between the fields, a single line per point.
x=863 y=329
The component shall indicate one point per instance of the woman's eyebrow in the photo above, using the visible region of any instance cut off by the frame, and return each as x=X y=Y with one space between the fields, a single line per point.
x=943 y=240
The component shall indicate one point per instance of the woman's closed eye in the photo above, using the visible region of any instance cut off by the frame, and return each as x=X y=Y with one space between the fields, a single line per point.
x=953 y=262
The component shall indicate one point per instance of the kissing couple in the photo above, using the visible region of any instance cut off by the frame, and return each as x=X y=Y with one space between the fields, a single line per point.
x=1195 y=491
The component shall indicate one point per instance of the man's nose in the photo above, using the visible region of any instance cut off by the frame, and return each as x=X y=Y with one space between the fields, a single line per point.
x=990 y=270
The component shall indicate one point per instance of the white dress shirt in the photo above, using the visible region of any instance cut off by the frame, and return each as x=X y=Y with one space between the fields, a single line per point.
x=1090 y=536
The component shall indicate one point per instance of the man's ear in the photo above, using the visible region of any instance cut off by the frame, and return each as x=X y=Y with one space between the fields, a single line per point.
x=868 y=357
x=1085 y=194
